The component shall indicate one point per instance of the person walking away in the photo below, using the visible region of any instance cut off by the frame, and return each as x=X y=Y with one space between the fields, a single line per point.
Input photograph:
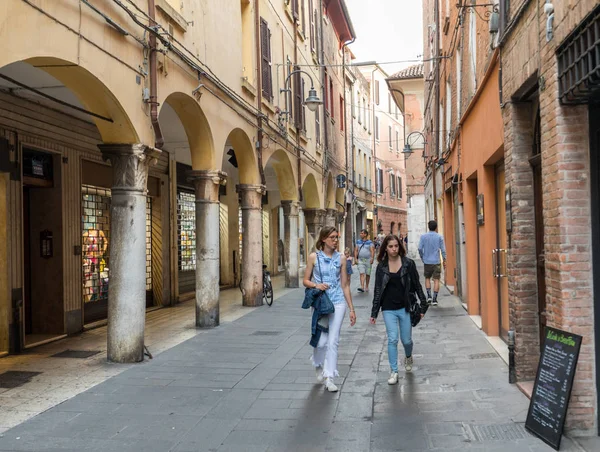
x=431 y=245
x=364 y=254
x=396 y=283
x=324 y=272
x=349 y=263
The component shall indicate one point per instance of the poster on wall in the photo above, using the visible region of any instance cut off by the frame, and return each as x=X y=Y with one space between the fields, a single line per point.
x=553 y=384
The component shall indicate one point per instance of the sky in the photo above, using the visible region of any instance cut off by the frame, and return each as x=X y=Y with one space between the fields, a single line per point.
x=387 y=30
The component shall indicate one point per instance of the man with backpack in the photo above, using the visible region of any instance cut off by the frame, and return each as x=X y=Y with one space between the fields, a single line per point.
x=364 y=255
x=431 y=246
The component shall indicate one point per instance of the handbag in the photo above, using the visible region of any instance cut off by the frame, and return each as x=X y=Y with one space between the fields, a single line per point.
x=415 y=310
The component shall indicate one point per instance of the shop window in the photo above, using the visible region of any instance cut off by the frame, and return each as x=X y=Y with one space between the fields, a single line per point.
x=96 y=243
x=186 y=226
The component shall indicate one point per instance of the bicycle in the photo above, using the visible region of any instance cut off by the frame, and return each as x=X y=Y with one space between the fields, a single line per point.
x=267 y=286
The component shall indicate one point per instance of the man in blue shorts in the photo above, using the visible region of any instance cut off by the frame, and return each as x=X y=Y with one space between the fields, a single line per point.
x=364 y=254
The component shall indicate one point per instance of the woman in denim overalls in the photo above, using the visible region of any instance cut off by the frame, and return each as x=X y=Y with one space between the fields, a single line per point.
x=325 y=266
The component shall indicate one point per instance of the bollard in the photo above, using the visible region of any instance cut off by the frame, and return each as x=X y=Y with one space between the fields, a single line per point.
x=512 y=373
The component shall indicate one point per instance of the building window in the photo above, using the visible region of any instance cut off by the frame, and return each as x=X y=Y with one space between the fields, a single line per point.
x=331 y=97
x=392 y=185
x=327 y=108
x=311 y=14
x=379 y=180
x=376 y=127
x=389 y=103
x=368 y=116
x=342 y=113
x=390 y=136
x=397 y=141
x=265 y=48
x=318 y=125
x=377 y=92
x=359 y=112
x=399 y=187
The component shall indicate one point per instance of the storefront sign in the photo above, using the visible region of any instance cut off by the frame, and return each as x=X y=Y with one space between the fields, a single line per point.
x=369 y=215
x=553 y=383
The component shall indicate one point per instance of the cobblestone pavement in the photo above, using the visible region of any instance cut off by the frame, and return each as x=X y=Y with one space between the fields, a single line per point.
x=248 y=386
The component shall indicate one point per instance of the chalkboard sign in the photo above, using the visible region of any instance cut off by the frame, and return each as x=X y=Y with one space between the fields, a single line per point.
x=553 y=383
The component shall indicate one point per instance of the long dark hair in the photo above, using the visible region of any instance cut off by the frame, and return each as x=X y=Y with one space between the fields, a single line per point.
x=383 y=248
x=325 y=232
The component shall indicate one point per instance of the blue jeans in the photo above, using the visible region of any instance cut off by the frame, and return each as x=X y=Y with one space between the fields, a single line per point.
x=394 y=320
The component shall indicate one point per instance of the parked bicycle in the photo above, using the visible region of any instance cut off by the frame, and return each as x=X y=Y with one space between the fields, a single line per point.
x=267 y=286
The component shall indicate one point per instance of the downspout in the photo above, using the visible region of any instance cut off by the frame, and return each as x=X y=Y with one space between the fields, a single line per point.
x=259 y=116
x=349 y=221
x=437 y=104
x=323 y=90
x=159 y=141
x=300 y=111
x=375 y=150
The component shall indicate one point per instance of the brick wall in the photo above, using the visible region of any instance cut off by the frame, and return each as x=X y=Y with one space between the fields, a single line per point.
x=566 y=202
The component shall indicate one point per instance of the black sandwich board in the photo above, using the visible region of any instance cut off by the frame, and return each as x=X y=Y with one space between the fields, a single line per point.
x=553 y=384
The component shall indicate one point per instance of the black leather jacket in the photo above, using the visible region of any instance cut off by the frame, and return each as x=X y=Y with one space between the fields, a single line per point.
x=410 y=281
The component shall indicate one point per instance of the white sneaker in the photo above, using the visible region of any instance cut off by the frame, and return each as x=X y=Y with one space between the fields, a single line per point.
x=434 y=302
x=393 y=378
x=408 y=363
x=330 y=386
x=319 y=373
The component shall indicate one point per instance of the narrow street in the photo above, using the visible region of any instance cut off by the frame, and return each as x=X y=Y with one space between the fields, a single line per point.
x=248 y=386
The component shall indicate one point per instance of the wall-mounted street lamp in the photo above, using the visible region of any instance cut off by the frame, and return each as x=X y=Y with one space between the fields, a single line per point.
x=312 y=101
x=407 y=151
x=491 y=15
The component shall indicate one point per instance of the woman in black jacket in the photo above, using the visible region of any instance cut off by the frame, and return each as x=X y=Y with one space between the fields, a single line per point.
x=396 y=283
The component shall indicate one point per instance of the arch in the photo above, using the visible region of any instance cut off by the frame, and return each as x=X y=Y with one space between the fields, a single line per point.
x=310 y=192
x=196 y=128
x=284 y=171
x=244 y=153
x=94 y=95
x=330 y=200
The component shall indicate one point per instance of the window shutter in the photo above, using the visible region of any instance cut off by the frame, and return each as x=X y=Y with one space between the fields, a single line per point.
x=303 y=96
x=377 y=92
x=311 y=16
x=376 y=127
x=326 y=93
x=390 y=136
x=318 y=125
x=265 y=48
x=302 y=8
x=297 y=99
x=331 y=104
x=295 y=9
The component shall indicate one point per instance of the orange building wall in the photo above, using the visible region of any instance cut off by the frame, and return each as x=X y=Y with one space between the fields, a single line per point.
x=481 y=138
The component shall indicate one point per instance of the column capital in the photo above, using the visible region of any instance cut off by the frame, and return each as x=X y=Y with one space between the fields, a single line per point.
x=251 y=195
x=206 y=183
x=314 y=216
x=130 y=164
x=290 y=208
x=258 y=188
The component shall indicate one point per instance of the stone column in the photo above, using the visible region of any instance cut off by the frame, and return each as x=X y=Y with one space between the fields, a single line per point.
x=314 y=222
x=251 y=243
x=331 y=218
x=127 y=287
x=207 y=246
x=290 y=228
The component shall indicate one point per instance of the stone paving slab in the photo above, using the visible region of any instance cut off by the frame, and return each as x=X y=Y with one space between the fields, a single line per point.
x=248 y=386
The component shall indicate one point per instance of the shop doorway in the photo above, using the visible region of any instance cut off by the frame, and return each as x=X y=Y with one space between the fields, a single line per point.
x=536 y=165
x=501 y=253
x=594 y=121
x=43 y=289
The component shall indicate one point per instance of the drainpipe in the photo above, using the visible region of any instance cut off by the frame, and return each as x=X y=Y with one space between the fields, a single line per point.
x=349 y=233
x=259 y=135
x=323 y=90
x=437 y=103
x=300 y=111
x=159 y=141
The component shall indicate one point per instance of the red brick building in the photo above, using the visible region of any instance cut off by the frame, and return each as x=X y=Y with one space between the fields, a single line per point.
x=552 y=132
x=512 y=126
